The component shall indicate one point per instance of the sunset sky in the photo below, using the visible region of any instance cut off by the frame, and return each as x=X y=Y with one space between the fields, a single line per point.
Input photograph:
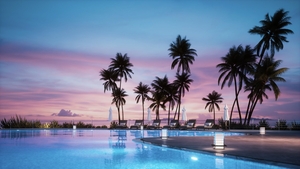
x=51 y=53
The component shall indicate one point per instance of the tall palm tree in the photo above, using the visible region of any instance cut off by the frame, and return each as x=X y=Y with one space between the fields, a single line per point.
x=142 y=90
x=265 y=77
x=212 y=100
x=119 y=100
x=110 y=77
x=273 y=32
x=122 y=66
x=182 y=54
x=182 y=83
x=236 y=65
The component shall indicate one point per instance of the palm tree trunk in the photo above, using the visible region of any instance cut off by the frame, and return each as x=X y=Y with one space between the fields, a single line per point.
x=169 y=113
x=251 y=110
x=176 y=112
x=179 y=103
x=237 y=100
x=214 y=115
x=143 y=110
x=232 y=109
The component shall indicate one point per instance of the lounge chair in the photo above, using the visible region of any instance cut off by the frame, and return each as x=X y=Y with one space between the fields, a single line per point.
x=155 y=125
x=137 y=124
x=122 y=124
x=189 y=125
x=209 y=123
x=174 y=124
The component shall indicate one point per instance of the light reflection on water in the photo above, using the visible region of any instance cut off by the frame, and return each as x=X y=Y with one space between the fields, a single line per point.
x=103 y=149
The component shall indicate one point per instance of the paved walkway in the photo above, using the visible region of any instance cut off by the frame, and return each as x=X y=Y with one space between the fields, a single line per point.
x=276 y=147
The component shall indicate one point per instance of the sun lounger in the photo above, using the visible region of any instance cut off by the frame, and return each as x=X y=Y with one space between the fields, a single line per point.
x=209 y=123
x=137 y=125
x=189 y=125
x=174 y=124
x=122 y=124
x=155 y=125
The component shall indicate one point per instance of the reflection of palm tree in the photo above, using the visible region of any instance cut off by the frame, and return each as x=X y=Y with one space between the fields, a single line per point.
x=212 y=101
x=182 y=54
x=265 y=77
x=182 y=82
x=142 y=90
x=119 y=100
x=110 y=77
x=236 y=64
x=272 y=32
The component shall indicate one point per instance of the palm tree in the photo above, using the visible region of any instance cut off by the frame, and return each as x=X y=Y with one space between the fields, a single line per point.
x=212 y=101
x=121 y=65
x=172 y=98
x=182 y=83
x=142 y=90
x=158 y=100
x=159 y=94
x=119 y=100
x=265 y=77
x=273 y=32
x=236 y=65
x=110 y=78
x=182 y=54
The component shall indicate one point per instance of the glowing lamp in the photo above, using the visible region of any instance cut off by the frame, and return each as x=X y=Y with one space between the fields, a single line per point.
x=164 y=134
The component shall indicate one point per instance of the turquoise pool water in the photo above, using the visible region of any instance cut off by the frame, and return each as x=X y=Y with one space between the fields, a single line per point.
x=101 y=149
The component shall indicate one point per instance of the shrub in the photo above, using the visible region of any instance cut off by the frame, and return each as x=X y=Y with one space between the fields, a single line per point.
x=281 y=125
x=113 y=124
x=54 y=124
x=67 y=125
x=295 y=125
x=263 y=123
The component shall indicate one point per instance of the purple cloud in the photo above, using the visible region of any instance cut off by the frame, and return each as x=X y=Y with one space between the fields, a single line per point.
x=66 y=113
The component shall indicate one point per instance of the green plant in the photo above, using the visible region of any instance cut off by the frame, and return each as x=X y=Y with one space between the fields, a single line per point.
x=67 y=125
x=263 y=123
x=295 y=125
x=113 y=124
x=54 y=124
x=281 y=125
x=80 y=124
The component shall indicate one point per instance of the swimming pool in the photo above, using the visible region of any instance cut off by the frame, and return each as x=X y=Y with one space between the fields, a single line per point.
x=103 y=149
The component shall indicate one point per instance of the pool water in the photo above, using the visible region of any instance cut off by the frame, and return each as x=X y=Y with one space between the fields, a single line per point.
x=101 y=149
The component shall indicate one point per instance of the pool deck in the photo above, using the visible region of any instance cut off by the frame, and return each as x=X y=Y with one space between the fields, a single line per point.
x=281 y=148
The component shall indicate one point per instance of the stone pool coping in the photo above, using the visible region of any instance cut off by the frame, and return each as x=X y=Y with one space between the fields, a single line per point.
x=281 y=148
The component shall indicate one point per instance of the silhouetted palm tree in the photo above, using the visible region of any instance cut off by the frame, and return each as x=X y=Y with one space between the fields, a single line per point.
x=212 y=101
x=142 y=90
x=119 y=100
x=273 y=32
x=159 y=94
x=110 y=77
x=121 y=65
x=172 y=98
x=158 y=101
x=182 y=54
x=234 y=69
x=265 y=77
x=182 y=83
